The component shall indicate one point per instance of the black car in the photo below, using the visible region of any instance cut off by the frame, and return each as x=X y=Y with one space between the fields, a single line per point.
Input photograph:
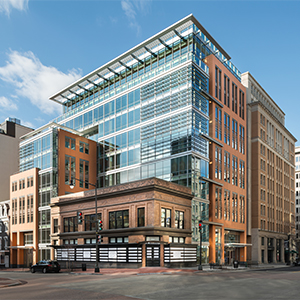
x=46 y=266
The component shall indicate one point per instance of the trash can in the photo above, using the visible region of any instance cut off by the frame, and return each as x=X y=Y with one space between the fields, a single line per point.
x=83 y=267
x=235 y=264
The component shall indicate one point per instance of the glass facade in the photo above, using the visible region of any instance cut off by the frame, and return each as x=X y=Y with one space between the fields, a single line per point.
x=149 y=114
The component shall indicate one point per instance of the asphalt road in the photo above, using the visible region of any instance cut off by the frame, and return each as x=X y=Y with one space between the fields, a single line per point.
x=267 y=284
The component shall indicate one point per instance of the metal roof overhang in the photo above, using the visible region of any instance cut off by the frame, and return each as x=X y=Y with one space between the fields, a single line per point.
x=63 y=96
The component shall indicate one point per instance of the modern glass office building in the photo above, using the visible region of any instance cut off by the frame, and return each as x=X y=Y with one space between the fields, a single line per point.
x=148 y=110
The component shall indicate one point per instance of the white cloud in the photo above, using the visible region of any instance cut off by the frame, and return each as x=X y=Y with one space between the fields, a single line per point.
x=33 y=80
x=132 y=8
x=7 y=5
x=27 y=124
x=7 y=104
x=39 y=119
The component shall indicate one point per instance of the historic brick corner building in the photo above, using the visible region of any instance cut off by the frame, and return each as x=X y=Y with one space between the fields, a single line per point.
x=145 y=223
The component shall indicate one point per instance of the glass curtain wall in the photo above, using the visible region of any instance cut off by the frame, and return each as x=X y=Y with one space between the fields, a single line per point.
x=41 y=152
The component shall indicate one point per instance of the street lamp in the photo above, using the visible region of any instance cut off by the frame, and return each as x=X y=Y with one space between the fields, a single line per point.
x=72 y=185
x=200 y=233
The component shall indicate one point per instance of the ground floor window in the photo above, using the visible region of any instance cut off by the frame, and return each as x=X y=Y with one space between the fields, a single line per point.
x=28 y=238
x=70 y=242
x=90 y=241
x=262 y=256
x=176 y=239
x=44 y=254
x=114 y=240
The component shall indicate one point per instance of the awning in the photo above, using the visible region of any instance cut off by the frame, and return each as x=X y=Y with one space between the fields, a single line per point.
x=236 y=245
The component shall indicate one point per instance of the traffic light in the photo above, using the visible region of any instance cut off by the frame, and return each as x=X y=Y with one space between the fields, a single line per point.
x=100 y=225
x=200 y=225
x=79 y=217
x=99 y=239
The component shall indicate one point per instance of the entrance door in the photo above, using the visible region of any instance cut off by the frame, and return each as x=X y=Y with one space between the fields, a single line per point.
x=152 y=255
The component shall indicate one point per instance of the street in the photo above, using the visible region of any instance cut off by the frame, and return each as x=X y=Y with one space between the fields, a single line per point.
x=280 y=283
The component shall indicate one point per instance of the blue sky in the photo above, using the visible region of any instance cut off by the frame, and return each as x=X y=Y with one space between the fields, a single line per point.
x=46 y=45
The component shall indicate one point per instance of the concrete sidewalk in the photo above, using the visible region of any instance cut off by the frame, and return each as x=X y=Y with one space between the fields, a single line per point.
x=156 y=270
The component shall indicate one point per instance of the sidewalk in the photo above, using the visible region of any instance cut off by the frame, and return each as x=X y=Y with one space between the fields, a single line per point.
x=157 y=270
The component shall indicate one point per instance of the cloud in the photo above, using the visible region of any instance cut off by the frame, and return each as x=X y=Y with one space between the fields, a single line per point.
x=7 y=104
x=27 y=124
x=39 y=119
x=7 y=5
x=34 y=81
x=132 y=8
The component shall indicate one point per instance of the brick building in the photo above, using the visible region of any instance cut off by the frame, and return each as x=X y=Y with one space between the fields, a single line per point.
x=150 y=217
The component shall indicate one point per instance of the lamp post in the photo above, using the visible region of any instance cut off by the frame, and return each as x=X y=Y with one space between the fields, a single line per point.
x=72 y=185
x=200 y=233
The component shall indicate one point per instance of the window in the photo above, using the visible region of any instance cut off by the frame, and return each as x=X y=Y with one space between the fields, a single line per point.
x=70 y=242
x=262 y=241
x=69 y=169
x=226 y=129
x=226 y=166
x=30 y=181
x=226 y=205
x=234 y=207
x=242 y=105
x=21 y=184
x=226 y=90
x=14 y=186
x=141 y=217
x=179 y=219
x=70 y=143
x=29 y=208
x=218 y=123
x=121 y=240
x=234 y=173
x=84 y=147
x=21 y=210
x=242 y=174
x=119 y=219
x=234 y=134
x=71 y=224
x=14 y=211
x=90 y=222
x=218 y=203
x=84 y=173
x=165 y=217
x=218 y=75
x=242 y=139
x=28 y=238
x=234 y=98
x=218 y=162
x=242 y=209
x=91 y=240
x=55 y=225
x=176 y=240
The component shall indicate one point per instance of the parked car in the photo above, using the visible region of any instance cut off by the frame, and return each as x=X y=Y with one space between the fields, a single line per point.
x=46 y=266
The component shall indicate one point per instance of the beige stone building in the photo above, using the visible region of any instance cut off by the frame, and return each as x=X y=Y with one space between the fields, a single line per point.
x=24 y=218
x=271 y=173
